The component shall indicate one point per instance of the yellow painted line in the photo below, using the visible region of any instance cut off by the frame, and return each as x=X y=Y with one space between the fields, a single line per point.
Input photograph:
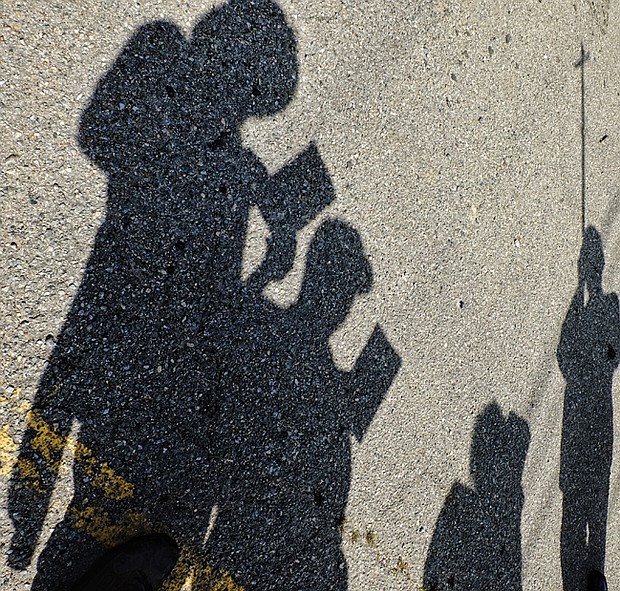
x=97 y=522
x=93 y=520
x=49 y=445
x=8 y=447
x=191 y=567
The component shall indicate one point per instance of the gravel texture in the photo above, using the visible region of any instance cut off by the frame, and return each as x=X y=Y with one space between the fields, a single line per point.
x=289 y=282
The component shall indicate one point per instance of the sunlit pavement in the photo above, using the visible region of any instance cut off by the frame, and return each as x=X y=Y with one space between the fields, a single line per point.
x=452 y=137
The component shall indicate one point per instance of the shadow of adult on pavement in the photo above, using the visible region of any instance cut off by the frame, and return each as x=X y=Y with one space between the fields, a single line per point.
x=477 y=538
x=588 y=356
x=158 y=358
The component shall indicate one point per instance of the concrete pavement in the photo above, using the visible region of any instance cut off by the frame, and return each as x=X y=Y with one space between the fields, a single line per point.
x=451 y=132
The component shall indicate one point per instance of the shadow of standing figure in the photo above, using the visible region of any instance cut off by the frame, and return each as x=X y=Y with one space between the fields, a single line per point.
x=477 y=540
x=136 y=362
x=285 y=424
x=588 y=356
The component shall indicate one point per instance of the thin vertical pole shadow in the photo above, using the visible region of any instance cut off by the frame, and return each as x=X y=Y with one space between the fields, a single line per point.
x=477 y=540
x=585 y=56
x=588 y=356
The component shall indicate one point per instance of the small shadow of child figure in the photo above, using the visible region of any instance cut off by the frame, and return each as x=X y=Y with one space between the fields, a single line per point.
x=284 y=430
x=477 y=540
x=588 y=355
x=136 y=360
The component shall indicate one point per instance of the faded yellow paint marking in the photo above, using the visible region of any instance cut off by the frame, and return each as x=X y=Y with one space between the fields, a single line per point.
x=8 y=447
x=24 y=406
x=16 y=393
x=29 y=474
x=104 y=478
x=46 y=441
x=191 y=571
x=206 y=577
x=49 y=444
x=202 y=577
x=84 y=457
x=182 y=574
x=115 y=487
x=97 y=523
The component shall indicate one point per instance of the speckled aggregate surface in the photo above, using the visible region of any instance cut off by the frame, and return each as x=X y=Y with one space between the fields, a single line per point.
x=451 y=136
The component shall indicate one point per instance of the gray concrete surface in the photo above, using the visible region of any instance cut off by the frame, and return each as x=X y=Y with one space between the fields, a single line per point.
x=451 y=131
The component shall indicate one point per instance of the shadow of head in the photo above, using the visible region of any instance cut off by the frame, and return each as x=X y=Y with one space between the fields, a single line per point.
x=498 y=451
x=337 y=270
x=592 y=260
x=165 y=94
x=246 y=52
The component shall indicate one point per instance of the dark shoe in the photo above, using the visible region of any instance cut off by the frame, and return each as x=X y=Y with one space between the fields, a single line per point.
x=596 y=581
x=141 y=564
